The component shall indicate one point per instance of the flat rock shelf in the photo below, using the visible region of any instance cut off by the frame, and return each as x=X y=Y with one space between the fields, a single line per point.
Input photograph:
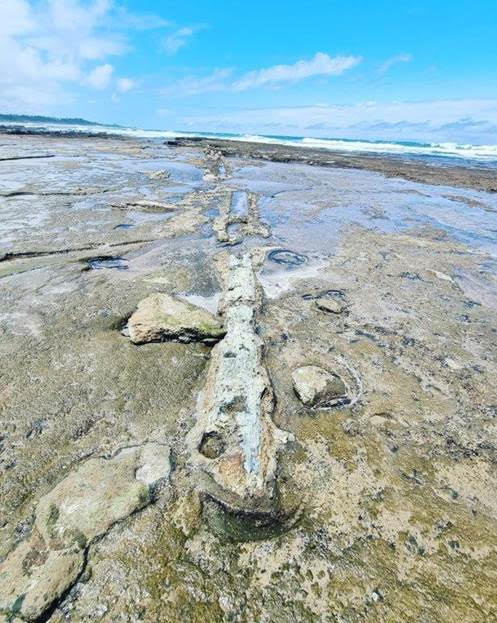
x=245 y=383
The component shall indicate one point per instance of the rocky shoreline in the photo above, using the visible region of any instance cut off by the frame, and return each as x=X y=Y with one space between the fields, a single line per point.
x=480 y=177
x=244 y=383
x=443 y=171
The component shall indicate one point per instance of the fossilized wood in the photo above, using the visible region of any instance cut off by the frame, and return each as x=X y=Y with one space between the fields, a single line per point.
x=250 y=223
x=235 y=442
x=146 y=205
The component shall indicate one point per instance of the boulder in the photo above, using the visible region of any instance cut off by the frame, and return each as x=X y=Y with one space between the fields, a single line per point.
x=161 y=317
x=316 y=387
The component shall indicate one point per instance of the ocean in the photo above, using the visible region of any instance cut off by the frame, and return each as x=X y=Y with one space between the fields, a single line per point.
x=472 y=154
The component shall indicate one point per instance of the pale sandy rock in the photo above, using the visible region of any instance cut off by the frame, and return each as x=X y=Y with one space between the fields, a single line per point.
x=154 y=464
x=378 y=420
x=91 y=499
x=83 y=506
x=162 y=174
x=317 y=387
x=161 y=317
x=329 y=306
x=145 y=204
x=33 y=577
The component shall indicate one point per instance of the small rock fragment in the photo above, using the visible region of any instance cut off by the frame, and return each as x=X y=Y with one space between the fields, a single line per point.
x=161 y=174
x=145 y=204
x=161 y=317
x=317 y=387
x=330 y=306
x=377 y=420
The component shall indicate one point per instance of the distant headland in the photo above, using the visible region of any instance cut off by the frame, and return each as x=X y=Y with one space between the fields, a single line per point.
x=7 y=118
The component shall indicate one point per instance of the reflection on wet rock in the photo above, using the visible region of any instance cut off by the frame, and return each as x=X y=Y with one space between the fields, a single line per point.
x=107 y=261
x=285 y=256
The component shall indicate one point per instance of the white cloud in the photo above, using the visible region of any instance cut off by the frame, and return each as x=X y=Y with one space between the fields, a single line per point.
x=16 y=17
x=99 y=78
x=177 y=39
x=320 y=65
x=394 y=60
x=216 y=81
x=50 y=47
x=459 y=120
x=125 y=84
x=144 y=21
x=221 y=79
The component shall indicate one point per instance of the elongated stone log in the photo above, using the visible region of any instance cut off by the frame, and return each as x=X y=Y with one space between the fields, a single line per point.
x=235 y=442
x=240 y=210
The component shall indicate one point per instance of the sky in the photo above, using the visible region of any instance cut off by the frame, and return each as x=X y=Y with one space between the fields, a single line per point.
x=422 y=70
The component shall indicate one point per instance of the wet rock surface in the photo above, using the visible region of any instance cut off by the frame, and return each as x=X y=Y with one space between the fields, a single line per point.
x=117 y=497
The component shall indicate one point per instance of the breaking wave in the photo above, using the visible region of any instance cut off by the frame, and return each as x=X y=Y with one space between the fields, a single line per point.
x=486 y=153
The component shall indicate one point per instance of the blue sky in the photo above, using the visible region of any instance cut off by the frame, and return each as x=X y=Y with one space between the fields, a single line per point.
x=413 y=69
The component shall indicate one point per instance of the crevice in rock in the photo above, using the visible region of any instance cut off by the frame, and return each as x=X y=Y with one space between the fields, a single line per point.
x=130 y=242
x=21 y=255
x=63 y=193
x=6 y=257
x=26 y=157
x=47 y=614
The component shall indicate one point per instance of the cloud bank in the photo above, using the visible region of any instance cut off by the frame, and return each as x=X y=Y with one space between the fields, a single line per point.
x=457 y=120
x=222 y=79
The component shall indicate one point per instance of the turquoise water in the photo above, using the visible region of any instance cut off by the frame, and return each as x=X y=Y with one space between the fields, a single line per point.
x=470 y=153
